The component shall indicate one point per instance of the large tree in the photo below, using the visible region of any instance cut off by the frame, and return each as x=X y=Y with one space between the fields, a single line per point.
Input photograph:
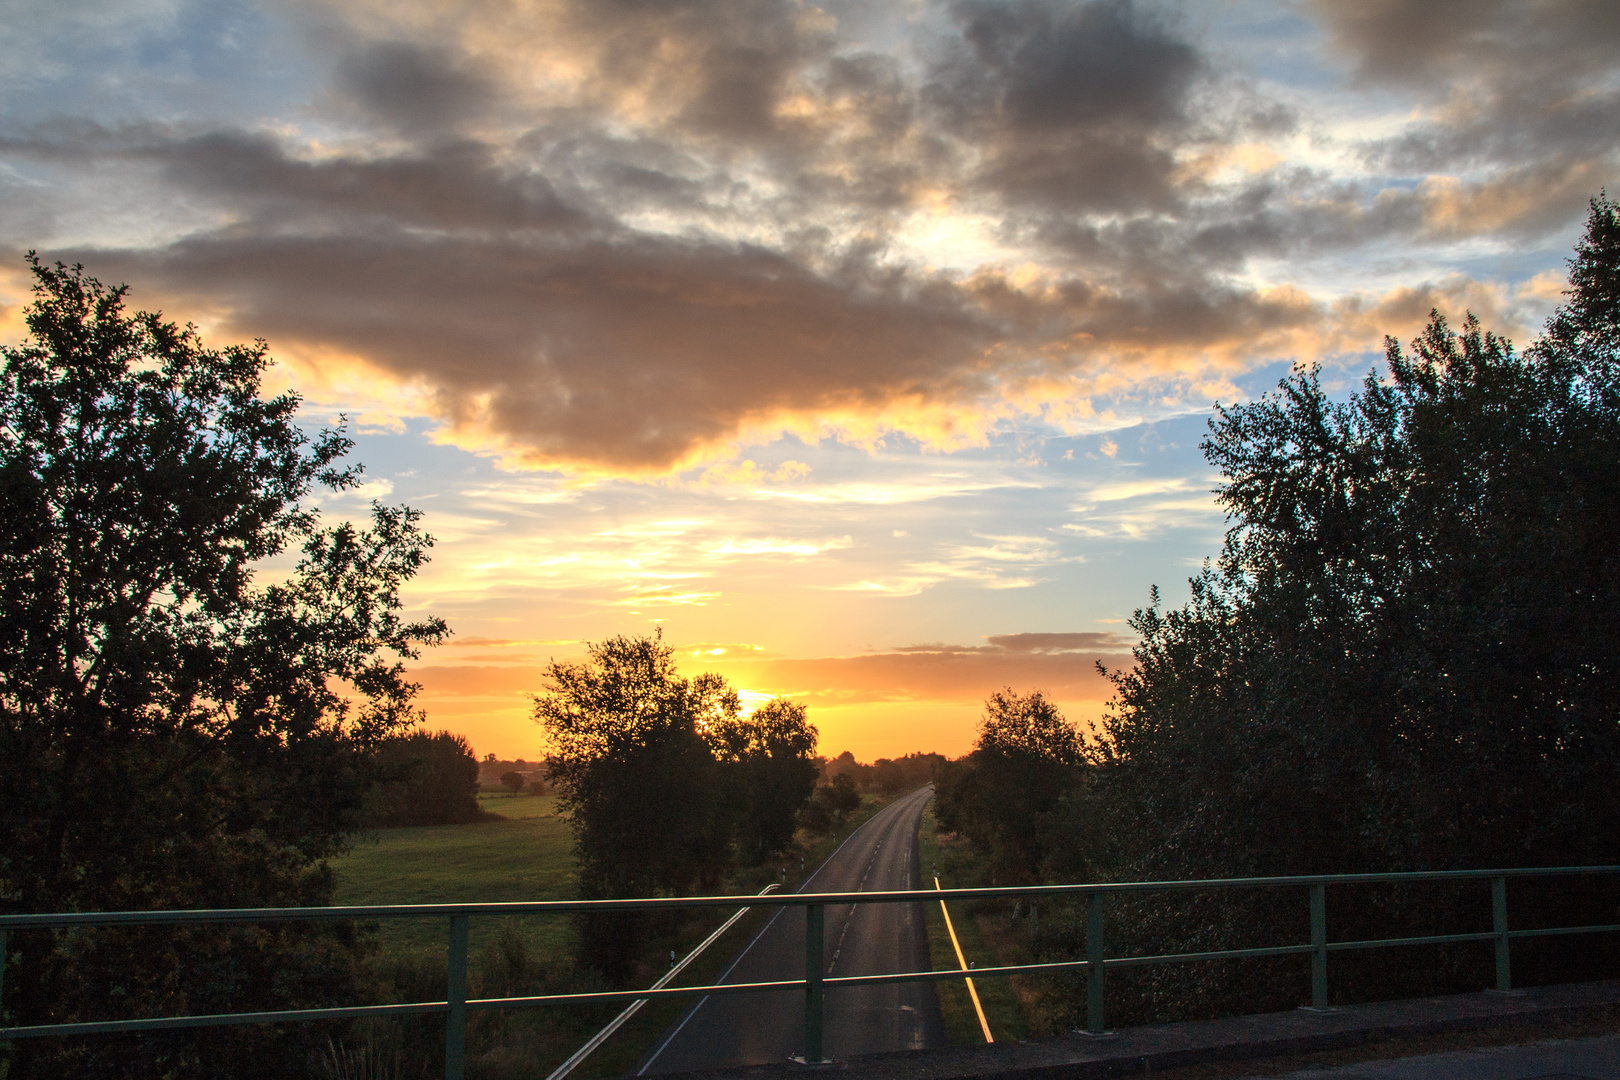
x=769 y=757
x=1003 y=795
x=175 y=733
x=1405 y=657
x=664 y=780
x=425 y=778
x=636 y=776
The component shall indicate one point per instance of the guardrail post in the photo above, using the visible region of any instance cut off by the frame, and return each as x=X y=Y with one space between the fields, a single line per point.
x=1499 y=925
x=455 y=1020
x=1319 y=991
x=1095 y=970
x=813 y=972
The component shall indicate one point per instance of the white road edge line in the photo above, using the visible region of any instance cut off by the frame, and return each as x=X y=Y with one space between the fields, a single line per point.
x=693 y=1011
x=635 y=1006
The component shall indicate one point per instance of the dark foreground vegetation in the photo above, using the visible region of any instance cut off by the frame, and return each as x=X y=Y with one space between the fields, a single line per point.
x=1404 y=659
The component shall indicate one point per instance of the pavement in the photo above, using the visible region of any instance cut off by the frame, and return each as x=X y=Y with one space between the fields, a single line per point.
x=1522 y=1017
x=1596 y=1058
x=860 y=939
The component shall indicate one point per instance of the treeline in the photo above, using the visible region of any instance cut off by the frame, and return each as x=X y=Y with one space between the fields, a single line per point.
x=1403 y=659
x=885 y=776
x=515 y=776
x=433 y=778
x=666 y=783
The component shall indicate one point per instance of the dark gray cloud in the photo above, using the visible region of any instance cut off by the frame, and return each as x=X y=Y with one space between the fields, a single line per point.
x=1059 y=643
x=1076 y=106
x=1530 y=88
x=702 y=228
x=453 y=186
x=1435 y=44
x=416 y=89
x=541 y=320
x=634 y=352
x=624 y=354
x=720 y=65
x=456 y=185
x=1088 y=642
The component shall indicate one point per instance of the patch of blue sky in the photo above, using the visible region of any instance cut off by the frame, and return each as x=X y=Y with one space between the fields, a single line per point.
x=137 y=62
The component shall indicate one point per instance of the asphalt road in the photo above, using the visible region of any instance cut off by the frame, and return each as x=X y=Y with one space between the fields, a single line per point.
x=861 y=939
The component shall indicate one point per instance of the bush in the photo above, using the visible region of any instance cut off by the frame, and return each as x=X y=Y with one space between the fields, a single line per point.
x=424 y=779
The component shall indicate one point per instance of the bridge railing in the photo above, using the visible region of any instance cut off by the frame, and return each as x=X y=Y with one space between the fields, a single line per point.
x=1096 y=963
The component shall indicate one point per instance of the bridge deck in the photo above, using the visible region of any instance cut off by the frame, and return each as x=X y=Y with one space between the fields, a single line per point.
x=1532 y=1014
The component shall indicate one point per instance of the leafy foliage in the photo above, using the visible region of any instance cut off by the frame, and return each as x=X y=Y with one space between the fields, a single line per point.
x=830 y=804
x=661 y=776
x=770 y=766
x=1404 y=657
x=222 y=725
x=425 y=779
x=1003 y=795
x=890 y=776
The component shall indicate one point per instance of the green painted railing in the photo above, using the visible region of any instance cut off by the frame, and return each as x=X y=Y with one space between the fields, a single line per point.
x=814 y=985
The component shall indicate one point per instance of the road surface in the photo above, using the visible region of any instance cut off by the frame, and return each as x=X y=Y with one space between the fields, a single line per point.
x=861 y=939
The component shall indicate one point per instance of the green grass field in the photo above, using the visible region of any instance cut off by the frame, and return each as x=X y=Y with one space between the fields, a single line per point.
x=527 y=857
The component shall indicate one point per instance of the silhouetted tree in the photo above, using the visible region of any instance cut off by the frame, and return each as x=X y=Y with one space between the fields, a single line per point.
x=223 y=725
x=830 y=804
x=1405 y=656
x=1002 y=796
x=425 y=779
x=769 y=759
x=512 y=781
x=633 y=770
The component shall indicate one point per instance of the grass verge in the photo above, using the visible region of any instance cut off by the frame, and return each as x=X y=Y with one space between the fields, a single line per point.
x=982 y=937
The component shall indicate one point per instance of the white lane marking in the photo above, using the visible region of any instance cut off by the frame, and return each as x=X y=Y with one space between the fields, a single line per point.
x=763 y=930
x=838 y=948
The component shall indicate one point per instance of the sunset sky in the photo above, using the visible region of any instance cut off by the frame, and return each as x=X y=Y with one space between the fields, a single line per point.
x=863 y=347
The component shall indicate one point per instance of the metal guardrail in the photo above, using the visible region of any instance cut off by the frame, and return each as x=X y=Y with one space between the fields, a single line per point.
x=1096 y=963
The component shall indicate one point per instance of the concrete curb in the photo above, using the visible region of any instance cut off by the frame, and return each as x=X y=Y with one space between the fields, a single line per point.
x=1142 y=1050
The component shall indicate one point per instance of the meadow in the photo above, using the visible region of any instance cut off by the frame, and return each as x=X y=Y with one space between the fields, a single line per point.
x=526 y=857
